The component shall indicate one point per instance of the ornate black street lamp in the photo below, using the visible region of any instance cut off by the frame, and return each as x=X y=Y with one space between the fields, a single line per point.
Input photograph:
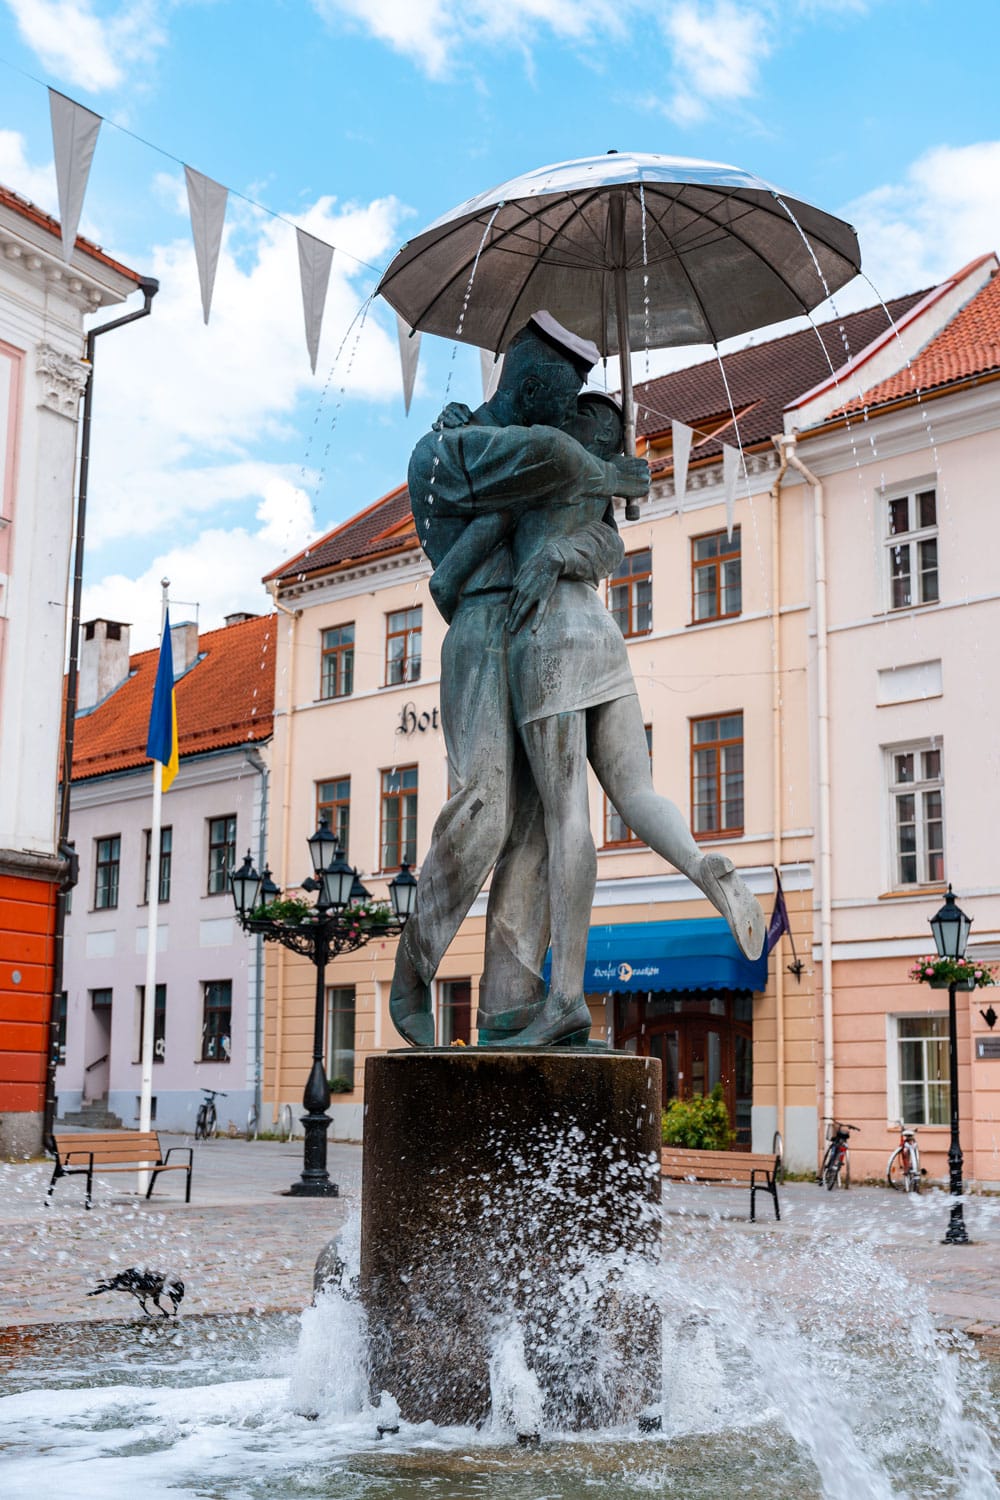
x=951 y=933
x=334 y=925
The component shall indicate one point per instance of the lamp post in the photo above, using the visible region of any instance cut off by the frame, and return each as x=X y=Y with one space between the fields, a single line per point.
x=951 y=929
x=333 y=926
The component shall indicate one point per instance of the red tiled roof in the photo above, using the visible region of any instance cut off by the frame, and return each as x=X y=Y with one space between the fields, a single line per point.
x=36 y=215
x=225 y=699
x=762 y=380
x=967 y=346
x=385 y=526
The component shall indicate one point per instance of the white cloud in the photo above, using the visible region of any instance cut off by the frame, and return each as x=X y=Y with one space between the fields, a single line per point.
x=221 y=570
x=717 y=51
x=89 y=50
x=183 y=413
x=16 y=172
x=944 y=213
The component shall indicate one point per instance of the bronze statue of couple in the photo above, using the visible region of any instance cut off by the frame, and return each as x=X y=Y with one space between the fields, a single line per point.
x=513 y=504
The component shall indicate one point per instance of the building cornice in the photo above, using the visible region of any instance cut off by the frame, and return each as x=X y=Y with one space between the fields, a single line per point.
x=62 y=380
x=134 y=784
x=387 y=571
x=704 y=489
x=944 y=416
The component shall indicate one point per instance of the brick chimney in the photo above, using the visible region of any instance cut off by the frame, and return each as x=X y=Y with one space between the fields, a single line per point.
x=184 y=644
x=104 y=661
x=239 y=617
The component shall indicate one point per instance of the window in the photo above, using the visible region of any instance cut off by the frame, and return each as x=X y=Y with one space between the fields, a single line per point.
x=159 y=1021
x=616 y=830
x=911 y=542
x=59 y=1039
x=340 y=1013
x=216 y=1037
x=402 y=645
x=221 y=853
x=336 y=678
x=333 y=802
x=454 y=1012
x=101 y=999
x=916 y=791
x=924 y=1090
x=399 y=817
x=716 y=576
x=109 y=853
x=717 y=776
x=630 y=594
x=166 y=846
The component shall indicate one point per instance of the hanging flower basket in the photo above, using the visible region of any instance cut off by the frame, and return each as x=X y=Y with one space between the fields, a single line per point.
x=963 y=973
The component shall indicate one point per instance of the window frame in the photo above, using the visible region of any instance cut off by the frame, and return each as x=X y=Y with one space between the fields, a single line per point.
x=611 y=816
x=734 y=553
x=166 y=864
x=228 y=865
x=629 y=581
x=448 y=1006
x=913 y=538
x=722 y=831
x=113 y=886
x=341 y=656
x=336 y=810
x=399 y=795
x=411 y=658
x=207 y=1036
x=159 y=1020
x=331 y=1052
x=894 y=1069
x=919 y=789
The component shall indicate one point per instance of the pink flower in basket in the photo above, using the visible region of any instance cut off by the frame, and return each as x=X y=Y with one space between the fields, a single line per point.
x=929 y=972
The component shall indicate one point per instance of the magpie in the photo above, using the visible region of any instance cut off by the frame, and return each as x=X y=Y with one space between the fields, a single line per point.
x=143 y=1283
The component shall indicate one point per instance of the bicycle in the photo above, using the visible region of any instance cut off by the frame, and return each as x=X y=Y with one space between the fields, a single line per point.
x=206 y=1126
x=253 y=1122
x=903 y=1170
x=778 y=1150
x=836 y=1166
x=284 y=1123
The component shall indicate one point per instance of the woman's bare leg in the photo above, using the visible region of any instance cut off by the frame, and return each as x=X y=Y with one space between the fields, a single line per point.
x=616 y=746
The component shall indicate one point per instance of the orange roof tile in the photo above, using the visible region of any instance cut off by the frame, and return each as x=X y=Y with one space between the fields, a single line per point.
x=35 y=215
x=384 y=526
x=968 y=346
x=225 y=699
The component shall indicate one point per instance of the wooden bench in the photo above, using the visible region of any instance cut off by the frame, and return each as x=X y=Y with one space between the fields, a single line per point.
x=756 y=1168
x=82 y=1153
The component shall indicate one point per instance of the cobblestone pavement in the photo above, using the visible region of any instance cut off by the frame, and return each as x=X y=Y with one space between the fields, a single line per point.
x=240 y=1245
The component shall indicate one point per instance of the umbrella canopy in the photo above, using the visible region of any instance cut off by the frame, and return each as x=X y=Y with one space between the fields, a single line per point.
x=698 y=252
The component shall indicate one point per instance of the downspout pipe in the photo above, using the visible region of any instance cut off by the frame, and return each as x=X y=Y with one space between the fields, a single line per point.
x=777 y=769
x=286 y=800
x=824 y=859
x=148 y=286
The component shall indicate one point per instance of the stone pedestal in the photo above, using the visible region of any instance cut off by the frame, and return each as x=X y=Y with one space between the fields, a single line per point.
x=511 y=1202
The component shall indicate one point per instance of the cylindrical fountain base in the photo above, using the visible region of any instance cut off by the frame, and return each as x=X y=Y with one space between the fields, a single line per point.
x=510 y=1224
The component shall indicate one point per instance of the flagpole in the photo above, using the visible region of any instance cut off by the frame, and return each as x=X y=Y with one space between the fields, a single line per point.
x=152 y=916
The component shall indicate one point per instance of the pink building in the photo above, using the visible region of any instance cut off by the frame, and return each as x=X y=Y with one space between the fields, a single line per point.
x=209 y=976
x=43 y=303
x=780 y=679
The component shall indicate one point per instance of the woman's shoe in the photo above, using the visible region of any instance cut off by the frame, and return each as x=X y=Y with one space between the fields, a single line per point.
x=564 y=1021
x=719 y=878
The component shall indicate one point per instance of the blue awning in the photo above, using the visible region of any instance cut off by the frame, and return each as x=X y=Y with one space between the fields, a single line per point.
x=698 y=954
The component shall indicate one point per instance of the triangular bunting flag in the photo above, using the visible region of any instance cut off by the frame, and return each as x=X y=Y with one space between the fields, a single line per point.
x=315 y=260
x=74 y=136
x=730 y=470
x=207 y=206
x=681 y=436
x=490 y=365
x=409 y=353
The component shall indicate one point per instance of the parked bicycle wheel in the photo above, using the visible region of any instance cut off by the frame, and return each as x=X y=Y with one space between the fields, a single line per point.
x=285 y=1122
x=201 y=1123
x=778 y=1147
x=830 y=1170
x=902 y=1173
x=845 y=1170
x=253 y=1122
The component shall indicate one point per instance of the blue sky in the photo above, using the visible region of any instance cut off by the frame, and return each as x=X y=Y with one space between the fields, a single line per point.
x=216 y=452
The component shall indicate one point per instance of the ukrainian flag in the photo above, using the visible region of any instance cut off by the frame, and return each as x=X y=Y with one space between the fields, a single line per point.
x=162 y=742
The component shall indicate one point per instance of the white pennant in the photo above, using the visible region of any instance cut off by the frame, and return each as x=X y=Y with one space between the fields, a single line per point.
x=409 y=353
x=74 y=136
x=315 y=260
x=681 y=436
x=730 y=470
x=207 y=206
x=490 y=366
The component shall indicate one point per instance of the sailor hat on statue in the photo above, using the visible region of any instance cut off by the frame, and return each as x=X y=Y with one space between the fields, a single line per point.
x=577 y=348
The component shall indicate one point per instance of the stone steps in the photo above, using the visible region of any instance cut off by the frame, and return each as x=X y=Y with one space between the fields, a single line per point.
x=95 y=1116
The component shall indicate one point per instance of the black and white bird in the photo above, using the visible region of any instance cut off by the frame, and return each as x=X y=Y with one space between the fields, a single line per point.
x=143 y=1283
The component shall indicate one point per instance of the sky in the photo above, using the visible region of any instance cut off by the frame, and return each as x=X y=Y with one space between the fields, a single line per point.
x=216 y=453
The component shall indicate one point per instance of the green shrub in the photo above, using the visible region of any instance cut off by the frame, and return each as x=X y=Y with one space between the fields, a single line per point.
x=700 y=1124
x=341 y=1086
